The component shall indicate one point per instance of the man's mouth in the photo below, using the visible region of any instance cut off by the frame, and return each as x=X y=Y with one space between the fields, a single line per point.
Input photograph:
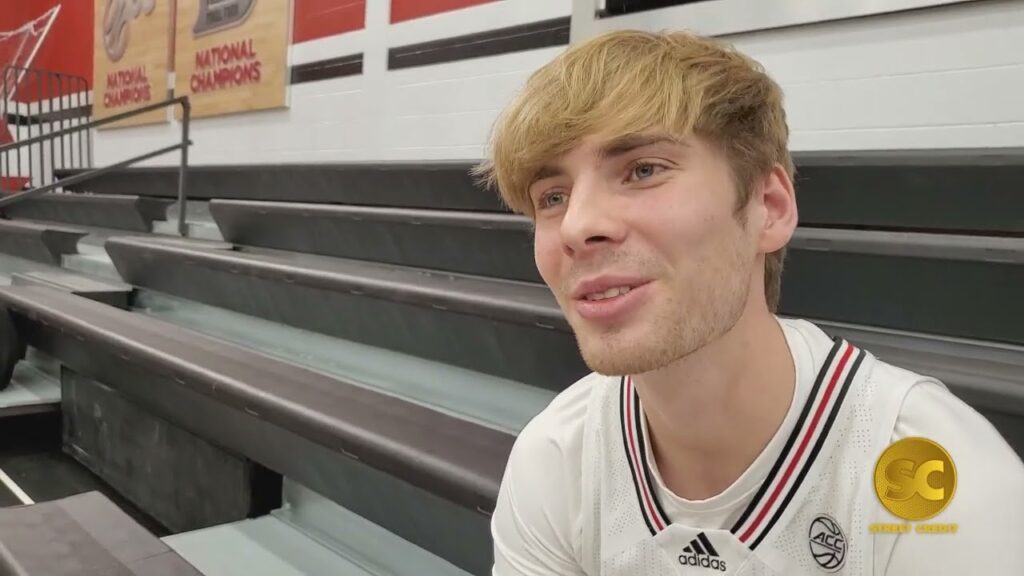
x=609 y=293
x=608 y=298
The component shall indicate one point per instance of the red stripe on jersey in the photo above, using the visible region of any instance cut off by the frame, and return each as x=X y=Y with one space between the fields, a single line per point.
x=631 y=428
x=803 y=444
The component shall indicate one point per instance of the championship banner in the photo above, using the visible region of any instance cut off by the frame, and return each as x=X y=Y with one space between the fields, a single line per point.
x=231 y=54
x=130 y=58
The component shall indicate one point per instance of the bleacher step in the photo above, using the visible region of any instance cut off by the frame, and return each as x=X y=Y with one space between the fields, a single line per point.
x=510 y=329
x=495 y=402
x=198 y=219
x=38 y=241
x=134 y=213
x=83 y=534
x=202 y=230
x=281 y=544
x=262 y=547
x=115 y=294
x=31 y=391
x=908 y=281
x=96 y=264
x=446 y=185
x=467 y=242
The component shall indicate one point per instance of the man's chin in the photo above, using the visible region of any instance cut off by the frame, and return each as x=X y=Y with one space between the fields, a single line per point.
x=621 y=356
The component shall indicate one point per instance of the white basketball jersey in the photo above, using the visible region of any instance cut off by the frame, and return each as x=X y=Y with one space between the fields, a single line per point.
x=811 y=514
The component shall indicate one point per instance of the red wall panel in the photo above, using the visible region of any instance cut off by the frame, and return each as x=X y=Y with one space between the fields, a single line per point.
x=13 y=14
x=320 y=18
x=408 y=9
x=68 y=47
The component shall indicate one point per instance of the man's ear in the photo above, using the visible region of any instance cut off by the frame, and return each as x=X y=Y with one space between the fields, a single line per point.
x=780 y=213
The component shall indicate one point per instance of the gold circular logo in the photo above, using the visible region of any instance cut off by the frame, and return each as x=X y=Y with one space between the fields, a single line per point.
x=915 y=478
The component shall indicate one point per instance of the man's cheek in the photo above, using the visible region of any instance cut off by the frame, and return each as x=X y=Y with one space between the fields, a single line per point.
x=548 y=266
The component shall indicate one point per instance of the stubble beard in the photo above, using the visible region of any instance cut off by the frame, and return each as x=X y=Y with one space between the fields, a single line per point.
x=688 y=319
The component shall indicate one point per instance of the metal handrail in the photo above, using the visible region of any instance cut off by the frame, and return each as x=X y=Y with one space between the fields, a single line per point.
x=186 y=109
x=41 y=83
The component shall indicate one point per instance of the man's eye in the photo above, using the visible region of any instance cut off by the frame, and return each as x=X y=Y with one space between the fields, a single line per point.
x=552 y=199
x=643 y=171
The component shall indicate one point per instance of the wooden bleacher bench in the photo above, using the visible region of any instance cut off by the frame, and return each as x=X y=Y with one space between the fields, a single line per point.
x=300 y=423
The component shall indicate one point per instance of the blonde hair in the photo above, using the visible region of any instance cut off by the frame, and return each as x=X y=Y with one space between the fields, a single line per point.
x=626 y=82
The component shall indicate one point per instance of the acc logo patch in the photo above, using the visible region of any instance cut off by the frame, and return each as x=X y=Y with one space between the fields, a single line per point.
x=827 y=542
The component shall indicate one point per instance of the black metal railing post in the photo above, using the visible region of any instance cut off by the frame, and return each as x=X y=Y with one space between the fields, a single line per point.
x=89 y=141
x=53 y=153
x=63 y=122
x=57 y=125
x=34 y=119
x=36 y=103
x=78 y=91
x=182 y=146
x=7 y=158
x=186 y=115
x=17 y=125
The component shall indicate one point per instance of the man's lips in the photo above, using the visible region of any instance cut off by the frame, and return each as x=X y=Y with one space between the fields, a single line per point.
x=610 y=298
x=605 y=286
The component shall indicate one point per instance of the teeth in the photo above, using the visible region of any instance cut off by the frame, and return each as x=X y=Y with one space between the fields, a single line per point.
x=609 y=293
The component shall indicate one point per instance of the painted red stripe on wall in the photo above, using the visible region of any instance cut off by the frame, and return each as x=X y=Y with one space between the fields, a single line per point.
x=321 y=18
x=409 y=9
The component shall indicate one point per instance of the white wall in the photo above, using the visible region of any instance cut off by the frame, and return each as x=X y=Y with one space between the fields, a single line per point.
x=949 y=77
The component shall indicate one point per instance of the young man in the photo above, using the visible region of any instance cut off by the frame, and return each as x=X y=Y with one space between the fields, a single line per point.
x=714 y=437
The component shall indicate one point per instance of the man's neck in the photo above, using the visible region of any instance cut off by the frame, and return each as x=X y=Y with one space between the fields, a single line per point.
x=712 y=413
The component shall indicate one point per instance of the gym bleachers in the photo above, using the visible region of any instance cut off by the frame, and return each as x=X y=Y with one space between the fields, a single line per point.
x=376 y=335
x=489 y=325
x=124 y=212
x=305 y=425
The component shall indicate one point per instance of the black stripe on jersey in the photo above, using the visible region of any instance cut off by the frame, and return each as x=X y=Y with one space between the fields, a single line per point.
x=814 y=451
x=697 y=548
x=797 y=430
x=707 y=544
x=629 y=457
x=637 y=415
x=688 y=549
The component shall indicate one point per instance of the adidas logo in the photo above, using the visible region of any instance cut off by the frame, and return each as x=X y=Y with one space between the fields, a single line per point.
x=701 y=553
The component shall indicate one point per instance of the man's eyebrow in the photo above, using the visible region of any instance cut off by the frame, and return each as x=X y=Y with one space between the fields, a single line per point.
x=629 y=142
x=615 y=147
x=545 y=171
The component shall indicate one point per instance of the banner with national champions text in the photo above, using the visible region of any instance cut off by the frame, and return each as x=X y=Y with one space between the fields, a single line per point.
x=131 y=58
x=231 y=55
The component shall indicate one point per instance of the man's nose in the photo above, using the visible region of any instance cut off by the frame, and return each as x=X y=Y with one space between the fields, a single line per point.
x=591 y=220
